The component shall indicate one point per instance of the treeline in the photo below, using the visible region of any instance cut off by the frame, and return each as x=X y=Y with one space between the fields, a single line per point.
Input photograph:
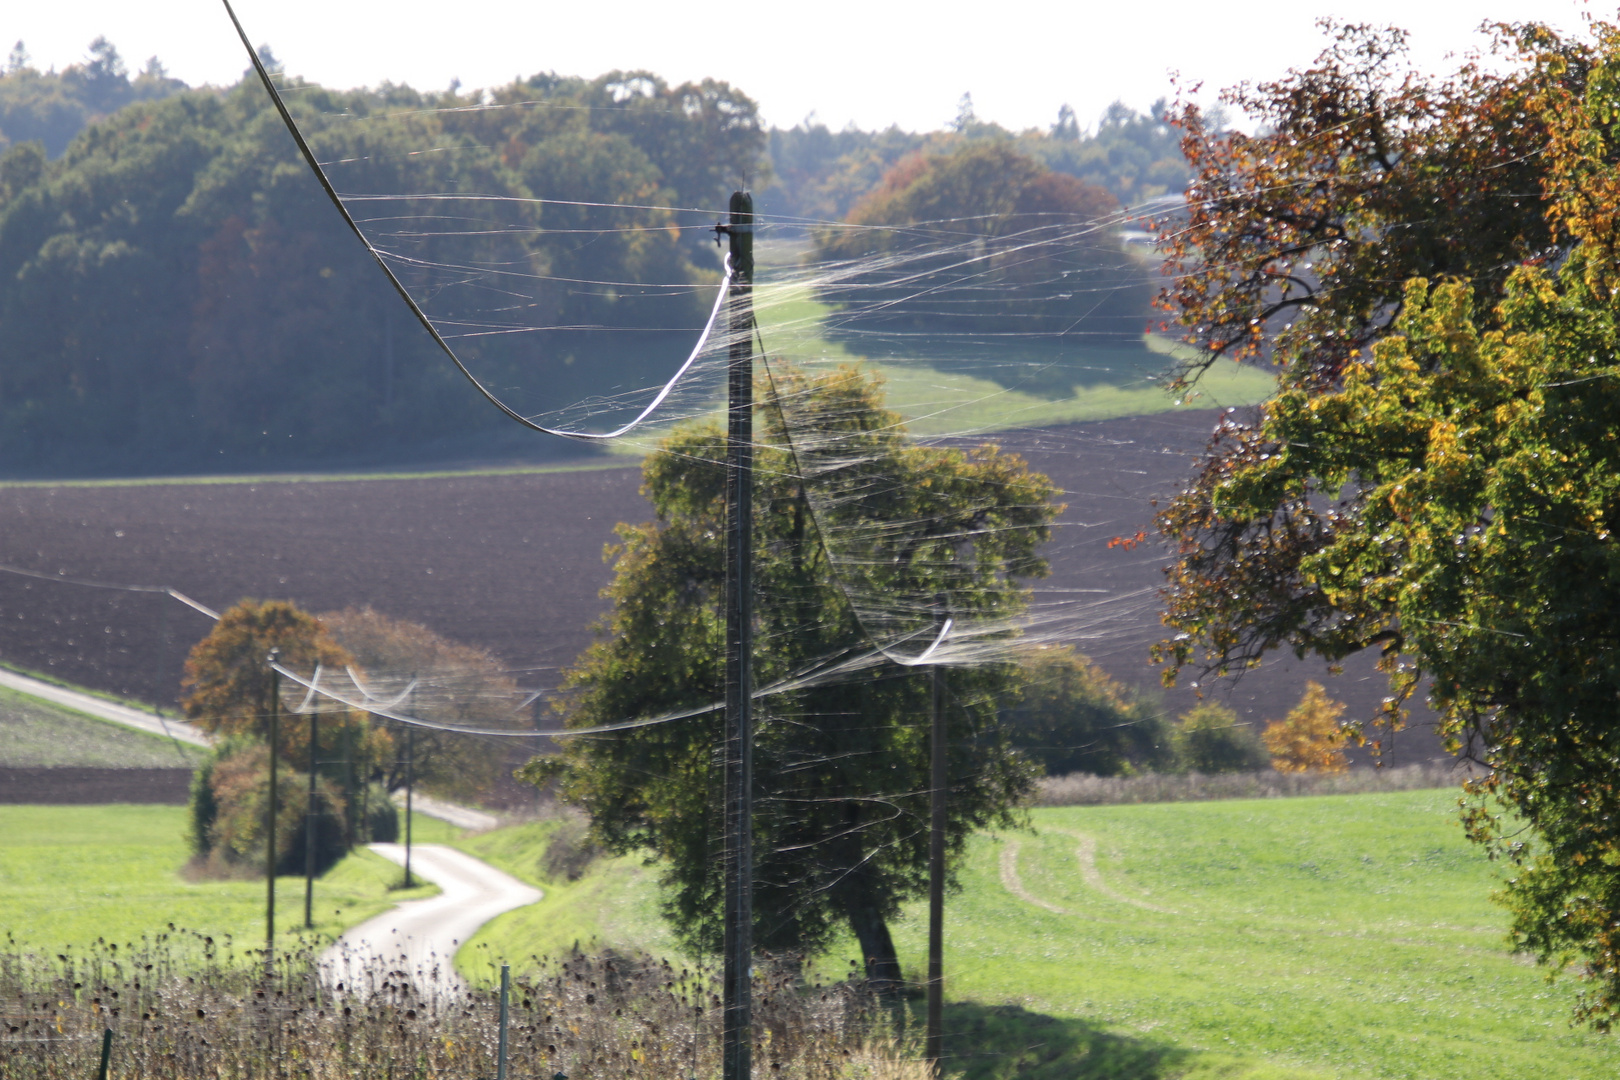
x=177 y=295
x=175 y=291
x=820 y=174
x=51 y=107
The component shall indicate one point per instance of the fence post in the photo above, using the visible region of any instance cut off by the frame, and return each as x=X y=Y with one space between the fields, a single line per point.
x=500 y=1052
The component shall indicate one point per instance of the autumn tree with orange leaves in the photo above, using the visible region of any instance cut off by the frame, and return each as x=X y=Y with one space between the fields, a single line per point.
x=1309 y=738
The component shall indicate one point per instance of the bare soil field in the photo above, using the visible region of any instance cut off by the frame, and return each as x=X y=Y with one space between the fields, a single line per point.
x=514 y=563
x=94 y=787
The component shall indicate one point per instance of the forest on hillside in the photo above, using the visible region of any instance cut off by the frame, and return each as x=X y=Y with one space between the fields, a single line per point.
x=176 y=295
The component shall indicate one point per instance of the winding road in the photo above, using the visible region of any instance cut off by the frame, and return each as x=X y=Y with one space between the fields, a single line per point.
x=423 y=935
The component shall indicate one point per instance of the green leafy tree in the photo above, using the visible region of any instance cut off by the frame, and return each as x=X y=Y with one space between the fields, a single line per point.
x=842 y=766
x=986 y=237
x=1211 y=739
x=50 y=108
x=176 y=292
x=1069 y=716
x=1437 y=477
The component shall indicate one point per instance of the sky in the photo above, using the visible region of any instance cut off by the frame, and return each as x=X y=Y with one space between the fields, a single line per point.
x=868 y=62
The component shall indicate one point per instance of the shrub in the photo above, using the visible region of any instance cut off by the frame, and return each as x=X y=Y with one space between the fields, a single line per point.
x=569 y=851
x=228 y=813
x=377 y=818
x=1308 y=740
x=1211 y=739
x=1071 y=717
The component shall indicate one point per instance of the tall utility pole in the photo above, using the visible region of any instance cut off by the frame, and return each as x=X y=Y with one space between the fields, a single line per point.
x=310 y=819
x=270 y=822
x=934 y=1043
x=736 y=1049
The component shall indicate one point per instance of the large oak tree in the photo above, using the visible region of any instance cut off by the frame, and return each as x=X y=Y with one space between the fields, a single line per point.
x=841 y=832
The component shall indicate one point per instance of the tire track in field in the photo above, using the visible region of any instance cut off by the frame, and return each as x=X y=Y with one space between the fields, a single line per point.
x=1015 y=885
x=1086 y=858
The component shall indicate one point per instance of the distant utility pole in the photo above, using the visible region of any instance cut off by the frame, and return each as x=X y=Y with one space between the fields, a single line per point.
x=410 y=785
x=270 y=821
x=310 y=819
x=736 y=1049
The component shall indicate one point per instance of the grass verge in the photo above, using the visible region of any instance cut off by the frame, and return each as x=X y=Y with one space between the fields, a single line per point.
x=614 y=904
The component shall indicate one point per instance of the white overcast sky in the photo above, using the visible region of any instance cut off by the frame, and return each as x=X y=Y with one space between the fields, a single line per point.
x=873 y=62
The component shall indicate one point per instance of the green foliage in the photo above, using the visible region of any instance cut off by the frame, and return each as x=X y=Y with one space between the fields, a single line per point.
x=1069 y=716
x=175 y=291
x=49 y=109
x=820 y=174
x=202 y=808
x=1438 y=477
x=1478 y=541
x=1038 y=259
x=828 y=852
x=1135 y=156
x=227 y=814
x=377 y=818
x=1211 y=739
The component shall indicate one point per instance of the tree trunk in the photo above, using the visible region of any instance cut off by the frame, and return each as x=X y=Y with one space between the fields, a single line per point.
x=877 y=947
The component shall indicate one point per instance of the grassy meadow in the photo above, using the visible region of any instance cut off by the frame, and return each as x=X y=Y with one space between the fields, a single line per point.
x=72 y=874
x=945 y=386
x=1343 y=936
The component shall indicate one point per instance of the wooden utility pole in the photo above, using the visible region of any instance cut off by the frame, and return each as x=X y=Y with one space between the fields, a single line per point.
x=270 y=821
x=736 y=1061
x=410 y=785
x=310 y=819
x=934 y=1044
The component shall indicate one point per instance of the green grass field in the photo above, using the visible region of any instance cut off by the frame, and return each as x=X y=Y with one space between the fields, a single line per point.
x=1339 y=936
x=72 y=874
x=36 y=733
x=944 y=387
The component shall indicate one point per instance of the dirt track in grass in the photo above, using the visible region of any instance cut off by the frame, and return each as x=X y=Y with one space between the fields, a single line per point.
x=512 y=562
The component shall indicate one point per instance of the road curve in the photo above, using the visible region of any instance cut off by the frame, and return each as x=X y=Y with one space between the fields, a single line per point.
x=425 y=934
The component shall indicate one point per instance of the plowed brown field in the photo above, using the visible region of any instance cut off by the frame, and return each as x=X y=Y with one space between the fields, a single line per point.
x=512 y=562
